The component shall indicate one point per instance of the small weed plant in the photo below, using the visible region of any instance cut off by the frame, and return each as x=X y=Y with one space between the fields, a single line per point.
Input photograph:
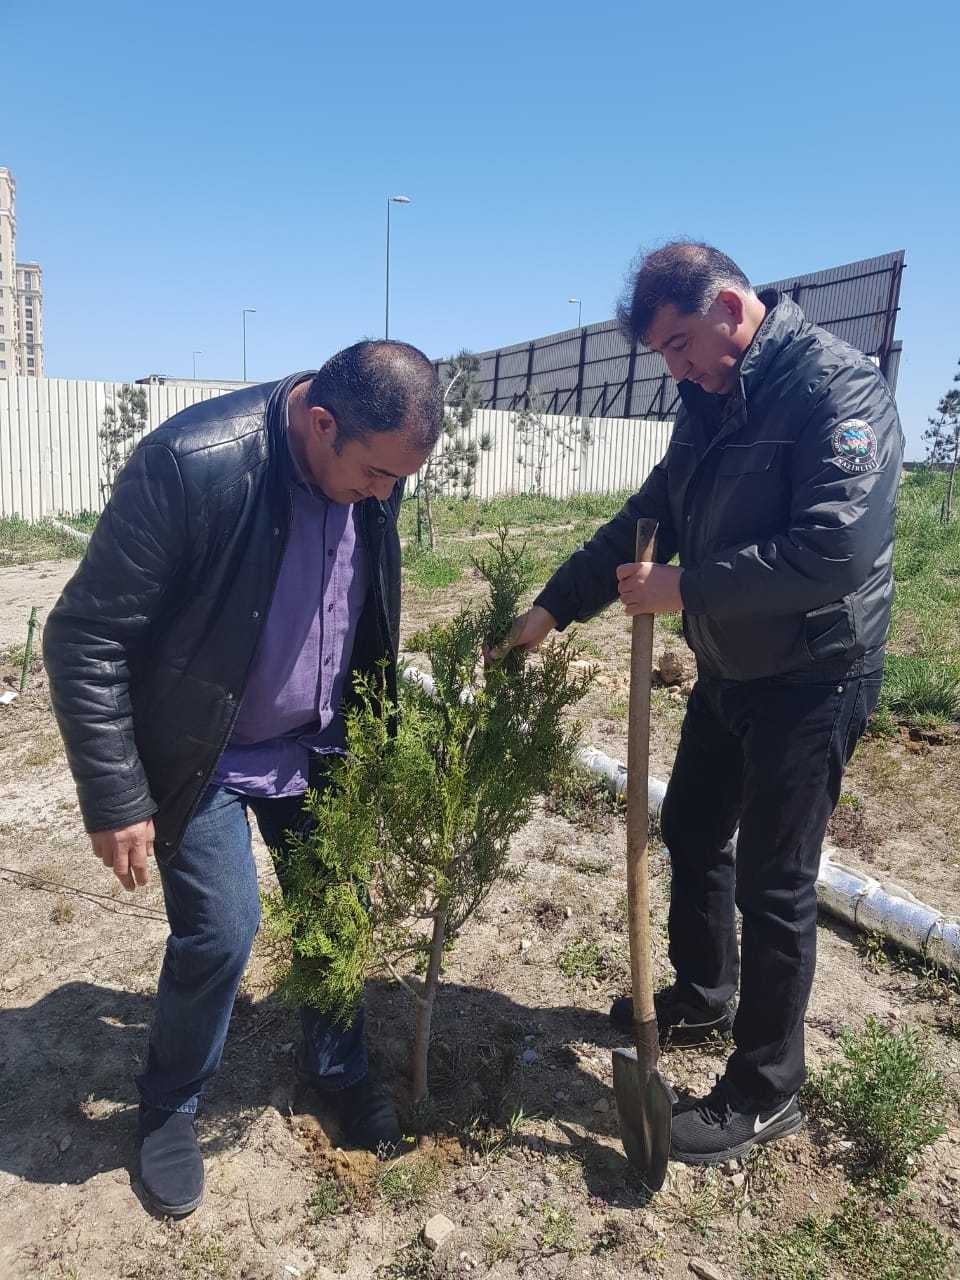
x=408 y=1181
x=852 y=1244
x=583 y=959
x=328 y=1198
x=583 y=799
x=558 y=1232
x=886 y=1096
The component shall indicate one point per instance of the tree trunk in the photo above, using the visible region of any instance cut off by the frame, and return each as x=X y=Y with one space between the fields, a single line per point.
x=421 y=1043
x=950 y=483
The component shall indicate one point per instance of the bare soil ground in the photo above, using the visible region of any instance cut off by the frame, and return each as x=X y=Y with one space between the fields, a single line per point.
x=548 y=1195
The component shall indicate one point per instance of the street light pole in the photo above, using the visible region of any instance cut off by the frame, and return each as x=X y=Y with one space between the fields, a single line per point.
x=195 y=354
x=246 y=311
x=579 y=310
x=386 y=319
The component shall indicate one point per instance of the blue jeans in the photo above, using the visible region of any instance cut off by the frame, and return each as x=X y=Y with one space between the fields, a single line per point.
x=213 y=906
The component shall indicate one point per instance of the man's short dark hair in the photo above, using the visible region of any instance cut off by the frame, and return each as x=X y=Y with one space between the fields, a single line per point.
x=378 y=386
x=687 y=273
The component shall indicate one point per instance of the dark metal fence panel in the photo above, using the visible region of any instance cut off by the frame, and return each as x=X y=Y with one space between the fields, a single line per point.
x=595 y=370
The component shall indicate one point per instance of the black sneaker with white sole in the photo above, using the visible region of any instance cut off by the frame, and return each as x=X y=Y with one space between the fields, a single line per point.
x=722 y=1126
x=682 y=1018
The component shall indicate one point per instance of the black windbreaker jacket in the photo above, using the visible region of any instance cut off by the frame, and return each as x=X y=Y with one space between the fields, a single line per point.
x=149 y=647
x=779 y=501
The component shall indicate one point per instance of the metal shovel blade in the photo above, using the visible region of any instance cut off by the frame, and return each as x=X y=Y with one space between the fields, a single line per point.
x=645 y=1106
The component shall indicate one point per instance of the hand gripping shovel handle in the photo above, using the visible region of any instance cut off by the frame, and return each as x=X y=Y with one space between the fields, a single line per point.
x=638 y=823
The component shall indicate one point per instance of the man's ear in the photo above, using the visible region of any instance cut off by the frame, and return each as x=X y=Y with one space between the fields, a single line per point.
x=322 y=423
x=731 y=304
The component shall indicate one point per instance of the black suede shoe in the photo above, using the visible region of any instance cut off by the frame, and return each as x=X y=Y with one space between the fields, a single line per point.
x=723 y=1126
x=682 y=1018
x=171 y=1167
x=368 y=1117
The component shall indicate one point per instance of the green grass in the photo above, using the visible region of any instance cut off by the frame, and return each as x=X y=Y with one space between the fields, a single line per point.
x=430 y=569
x=886 y=1096
x=23 y=541
x=920 y=691
x=926 y=566
x=852 y=1244
x=546 y=549
x=470 y=515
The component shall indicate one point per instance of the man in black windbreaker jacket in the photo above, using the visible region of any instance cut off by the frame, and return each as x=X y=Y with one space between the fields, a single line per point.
x=245 y=569
x=777 y=494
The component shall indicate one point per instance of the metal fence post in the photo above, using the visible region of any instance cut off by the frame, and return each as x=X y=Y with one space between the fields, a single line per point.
x=580 y=366
x=631 y=370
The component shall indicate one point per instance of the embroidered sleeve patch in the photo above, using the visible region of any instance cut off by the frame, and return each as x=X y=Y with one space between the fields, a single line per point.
x=854 y=446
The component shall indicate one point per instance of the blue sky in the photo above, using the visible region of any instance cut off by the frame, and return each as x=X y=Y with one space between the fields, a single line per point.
x=178 y=162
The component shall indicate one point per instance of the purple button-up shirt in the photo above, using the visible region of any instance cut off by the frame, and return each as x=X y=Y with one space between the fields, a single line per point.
x=292 y=702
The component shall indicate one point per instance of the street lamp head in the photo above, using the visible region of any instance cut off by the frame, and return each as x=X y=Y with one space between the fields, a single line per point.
x=573 y=299
x=250 y=311
x=400 y=200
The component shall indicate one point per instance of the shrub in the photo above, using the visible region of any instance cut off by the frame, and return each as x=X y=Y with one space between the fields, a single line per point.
x=415 y=829
x=886 y=1096
x=855 y=1242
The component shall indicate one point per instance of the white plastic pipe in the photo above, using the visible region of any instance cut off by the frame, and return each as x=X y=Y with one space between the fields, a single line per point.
x=885 y=909
x=65 y=528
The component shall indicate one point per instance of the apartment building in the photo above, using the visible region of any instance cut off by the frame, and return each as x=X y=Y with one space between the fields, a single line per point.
x=21 y=295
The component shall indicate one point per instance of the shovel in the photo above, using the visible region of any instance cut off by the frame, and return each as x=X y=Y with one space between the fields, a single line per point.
x=644 y=1099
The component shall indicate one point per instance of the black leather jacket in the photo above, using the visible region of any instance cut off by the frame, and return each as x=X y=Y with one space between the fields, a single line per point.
x=780 y=502
x=150 y=645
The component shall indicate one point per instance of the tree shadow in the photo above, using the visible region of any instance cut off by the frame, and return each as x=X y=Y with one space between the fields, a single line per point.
x=69 y=1102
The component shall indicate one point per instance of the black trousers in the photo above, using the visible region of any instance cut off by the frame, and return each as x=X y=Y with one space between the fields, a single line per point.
x=768 y=755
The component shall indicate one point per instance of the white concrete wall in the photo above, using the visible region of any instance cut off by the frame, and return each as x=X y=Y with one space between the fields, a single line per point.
x=49 y=460
x=571 y=454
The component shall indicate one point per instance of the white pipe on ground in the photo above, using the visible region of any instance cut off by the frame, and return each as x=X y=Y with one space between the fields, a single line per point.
x=867 y=904
x=885 y=909
x=65 y=528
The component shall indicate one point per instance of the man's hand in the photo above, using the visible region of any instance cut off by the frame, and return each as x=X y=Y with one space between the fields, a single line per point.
x=529 y=631
x=649 y=588
x=127 y=851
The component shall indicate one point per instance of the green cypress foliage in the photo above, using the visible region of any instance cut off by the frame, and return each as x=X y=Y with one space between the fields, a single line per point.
x=415 y=829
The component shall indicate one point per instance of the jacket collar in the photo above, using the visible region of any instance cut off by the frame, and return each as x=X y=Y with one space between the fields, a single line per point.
x=780 y=326
x=275 y=421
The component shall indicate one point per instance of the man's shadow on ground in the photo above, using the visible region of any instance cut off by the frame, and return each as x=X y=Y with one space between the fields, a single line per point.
x=68 y=1103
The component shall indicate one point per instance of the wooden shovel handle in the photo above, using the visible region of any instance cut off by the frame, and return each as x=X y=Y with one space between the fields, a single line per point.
x=638 y=768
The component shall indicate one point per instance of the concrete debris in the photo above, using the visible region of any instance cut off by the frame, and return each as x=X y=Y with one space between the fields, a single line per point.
x=437 y=1231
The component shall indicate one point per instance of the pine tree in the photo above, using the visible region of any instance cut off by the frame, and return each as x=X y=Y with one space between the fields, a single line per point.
x=122 y=425
x=415 y=829
x=943 y=445
x=450 y=470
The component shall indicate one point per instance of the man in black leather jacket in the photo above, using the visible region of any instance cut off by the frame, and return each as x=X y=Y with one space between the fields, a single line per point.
x=245 y=569
x=777 y=493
